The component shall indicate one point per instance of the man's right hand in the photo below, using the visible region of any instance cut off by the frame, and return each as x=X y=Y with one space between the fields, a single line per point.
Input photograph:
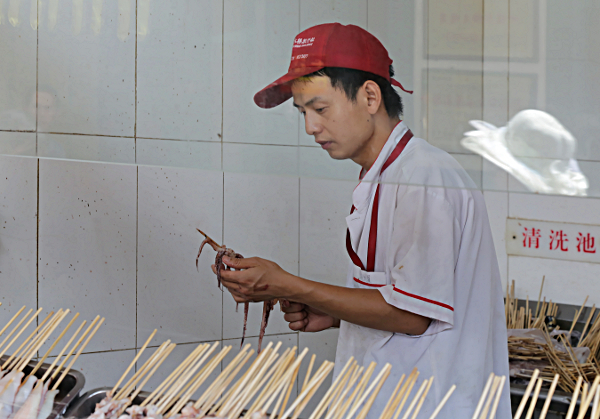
x=305 y=318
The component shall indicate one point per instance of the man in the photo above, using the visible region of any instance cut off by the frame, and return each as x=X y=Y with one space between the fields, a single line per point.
x=423 y=288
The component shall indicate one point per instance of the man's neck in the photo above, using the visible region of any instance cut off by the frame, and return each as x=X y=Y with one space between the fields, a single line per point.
x=374 y=146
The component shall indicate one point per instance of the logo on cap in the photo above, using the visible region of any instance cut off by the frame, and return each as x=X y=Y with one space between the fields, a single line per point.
x=303 y=42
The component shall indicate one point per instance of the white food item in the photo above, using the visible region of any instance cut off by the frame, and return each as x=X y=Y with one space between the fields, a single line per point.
x=7 y=400
x=47 y=404
x=31 y=405
x=24 y=392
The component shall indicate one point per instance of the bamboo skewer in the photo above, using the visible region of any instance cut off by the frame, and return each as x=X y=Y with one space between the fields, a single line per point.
x=586 y=399
x=527 y=393
x=595 y=407
x=28 y=340
x=211 y=395
x=449 y=393
x=574 y=398
x=184 y=395
x=325 y=400
x=411 y=383
x=497 y=399
x=549 y=397
x=137 y=356
x=49 y=351
x=72 y=350
x=414 y=400
x=418 y=409
x=392 y=398
x=14 y=330
x=284 y=395
x=488 y=384
x=315 y=386
x=380 y=378
x=313 y=383
x=157 y=393
x=66 y=370
x=43 y=338
x=49 y=370
x=533 y=402
x=158 y=363
x=490 y=397
x=130 y=385
x=182 y=380
x=577 y=314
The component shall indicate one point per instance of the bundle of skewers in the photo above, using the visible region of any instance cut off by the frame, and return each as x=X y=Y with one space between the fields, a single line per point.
x=262 y=391
x=27 y=395
x=585 y=395
x=535 y=342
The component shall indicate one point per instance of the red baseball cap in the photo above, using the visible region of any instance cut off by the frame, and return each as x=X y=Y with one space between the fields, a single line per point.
x=329 y=45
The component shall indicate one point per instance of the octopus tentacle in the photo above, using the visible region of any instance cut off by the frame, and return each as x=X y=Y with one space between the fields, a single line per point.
x=246 y=309
x=267 y=307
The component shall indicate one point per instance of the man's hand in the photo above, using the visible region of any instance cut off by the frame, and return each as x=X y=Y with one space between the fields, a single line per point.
x=255 y=279
x=306 y=319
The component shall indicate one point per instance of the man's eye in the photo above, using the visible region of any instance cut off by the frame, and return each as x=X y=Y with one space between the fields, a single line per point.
x=320 y=110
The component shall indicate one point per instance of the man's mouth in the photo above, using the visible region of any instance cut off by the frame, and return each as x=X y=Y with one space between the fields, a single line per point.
x=325 y=144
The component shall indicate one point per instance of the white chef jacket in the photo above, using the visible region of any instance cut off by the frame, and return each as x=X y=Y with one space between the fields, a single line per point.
x=434 y=257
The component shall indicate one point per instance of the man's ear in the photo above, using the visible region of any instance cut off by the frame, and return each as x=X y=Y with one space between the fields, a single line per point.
x=372 y=95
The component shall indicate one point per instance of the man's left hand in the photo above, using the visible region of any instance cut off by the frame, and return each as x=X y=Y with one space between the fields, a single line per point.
x=254 y=279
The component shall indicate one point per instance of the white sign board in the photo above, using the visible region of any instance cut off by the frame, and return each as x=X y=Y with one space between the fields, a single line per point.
x=543 y=239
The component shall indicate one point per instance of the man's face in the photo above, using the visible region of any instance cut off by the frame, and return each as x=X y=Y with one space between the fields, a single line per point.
x=339 y=125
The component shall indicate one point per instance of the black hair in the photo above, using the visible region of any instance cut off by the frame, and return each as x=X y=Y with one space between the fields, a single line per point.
x=350 y=80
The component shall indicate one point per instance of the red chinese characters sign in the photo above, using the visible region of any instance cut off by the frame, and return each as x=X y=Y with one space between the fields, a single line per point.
x=552 y=240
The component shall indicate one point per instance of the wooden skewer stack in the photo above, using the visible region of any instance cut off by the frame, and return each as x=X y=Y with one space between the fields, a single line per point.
x=263 y=390
x=26 y=396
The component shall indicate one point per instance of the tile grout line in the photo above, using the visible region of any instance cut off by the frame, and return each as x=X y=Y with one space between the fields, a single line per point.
x=137 y=183
x=37 y=238
x=222 y=154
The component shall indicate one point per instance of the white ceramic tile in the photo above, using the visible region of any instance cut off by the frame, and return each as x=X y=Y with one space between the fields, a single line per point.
x=173 y=361
x=571 y=90
x=17 y=143
x=103 y=369
x=324 y=205
x=18 y=237
x=287 y=341
x=87 y=245
x=316 y=163
x=179 y=71
x=554 y=208
x=323 y=345
x=169 y=153
x=472 y=165
x=258 y=38
x=260 y=219
x=184 y=304
x=18 y=50
x=315 y=12
x=493 y=177
x=89 y=74
x=497 y=209
x=87 y=148
x=591 y=170
x=383 y=17
x=566 y=282
x=261 y=159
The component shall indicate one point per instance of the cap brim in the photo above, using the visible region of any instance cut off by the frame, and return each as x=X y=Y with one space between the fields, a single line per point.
x=280 y=90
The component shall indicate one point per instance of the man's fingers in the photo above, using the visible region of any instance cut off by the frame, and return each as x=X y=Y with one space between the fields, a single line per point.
x=292 y=308
x=239 y=263
x=299 y=326
x=294 y=317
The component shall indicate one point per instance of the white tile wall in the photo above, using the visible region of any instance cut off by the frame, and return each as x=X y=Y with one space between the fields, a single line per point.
x=17 y=143
x=87 y=245
x=90 y=75
x=172 y=203
x=18 y=68
x=191 y=154
x=324 y=205
x=261 y=216
x=84 y=147
x=247 y=69
x=179 y=71
x=18 y=234
x=261 y=159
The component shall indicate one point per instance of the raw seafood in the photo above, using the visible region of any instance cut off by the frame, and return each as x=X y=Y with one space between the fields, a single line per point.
x=230 y=253
x=7 y=399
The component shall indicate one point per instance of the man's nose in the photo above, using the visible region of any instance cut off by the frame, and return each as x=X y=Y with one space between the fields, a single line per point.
x=311 y=125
